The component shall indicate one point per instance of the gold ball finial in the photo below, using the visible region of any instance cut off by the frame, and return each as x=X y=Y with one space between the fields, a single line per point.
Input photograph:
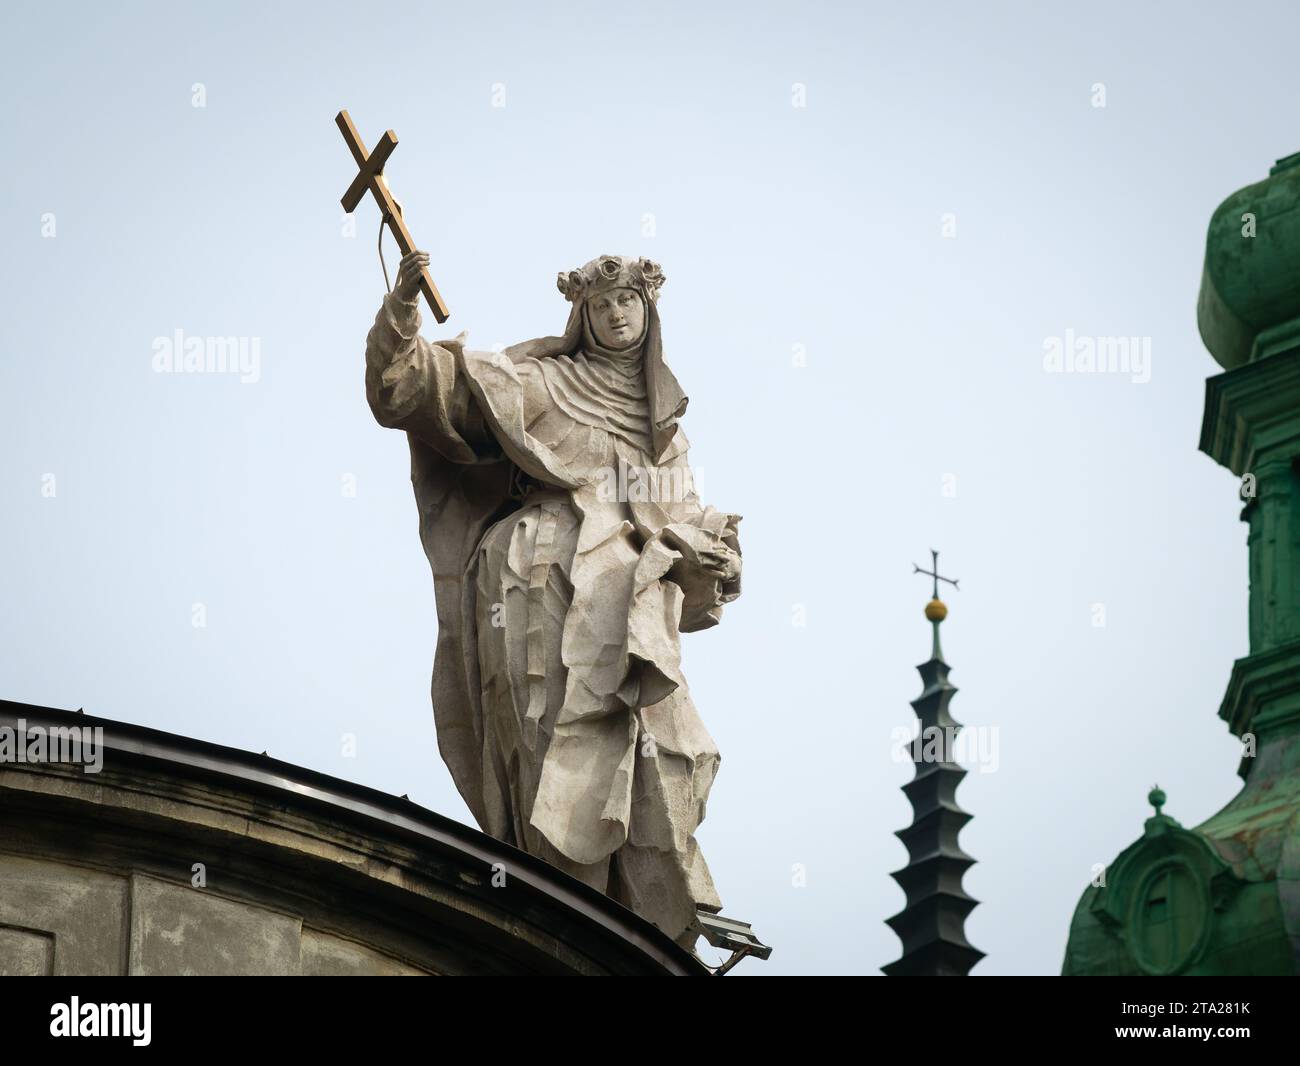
x=936 y=610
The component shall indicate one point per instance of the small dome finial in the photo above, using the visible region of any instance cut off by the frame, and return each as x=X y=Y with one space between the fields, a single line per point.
x=1156 y=797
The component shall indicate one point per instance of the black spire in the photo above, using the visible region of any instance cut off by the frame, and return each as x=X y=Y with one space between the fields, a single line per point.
x=932 y=923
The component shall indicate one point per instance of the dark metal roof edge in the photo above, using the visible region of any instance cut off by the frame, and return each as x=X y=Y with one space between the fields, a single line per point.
x=360 y=800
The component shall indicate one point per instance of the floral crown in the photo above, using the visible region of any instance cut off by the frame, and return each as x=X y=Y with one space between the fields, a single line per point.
x=611 y=272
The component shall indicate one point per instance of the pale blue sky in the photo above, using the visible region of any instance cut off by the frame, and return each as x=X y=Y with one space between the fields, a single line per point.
x=777 y=227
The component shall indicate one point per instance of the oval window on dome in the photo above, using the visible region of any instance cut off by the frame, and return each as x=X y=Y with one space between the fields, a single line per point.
x=1169 y=918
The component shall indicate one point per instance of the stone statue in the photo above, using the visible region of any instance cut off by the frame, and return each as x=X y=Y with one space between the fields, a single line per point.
x=569 y=550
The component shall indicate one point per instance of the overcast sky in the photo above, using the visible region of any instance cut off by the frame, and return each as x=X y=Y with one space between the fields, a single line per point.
x=875 y=221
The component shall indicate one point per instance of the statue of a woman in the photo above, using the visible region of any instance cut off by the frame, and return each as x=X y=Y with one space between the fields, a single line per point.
x=569 y=550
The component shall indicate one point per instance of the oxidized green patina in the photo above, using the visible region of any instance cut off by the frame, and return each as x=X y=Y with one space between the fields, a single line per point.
x=1224 y=897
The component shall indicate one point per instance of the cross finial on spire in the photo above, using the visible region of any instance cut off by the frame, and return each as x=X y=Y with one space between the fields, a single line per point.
x=934 y=561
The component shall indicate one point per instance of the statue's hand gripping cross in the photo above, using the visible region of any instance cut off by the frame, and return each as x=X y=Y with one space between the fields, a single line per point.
x=371 y=176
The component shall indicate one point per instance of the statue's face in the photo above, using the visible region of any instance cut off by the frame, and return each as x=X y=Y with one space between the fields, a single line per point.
x=617 y=318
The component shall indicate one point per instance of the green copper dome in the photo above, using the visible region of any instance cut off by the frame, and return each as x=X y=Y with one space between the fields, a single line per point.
x=1249 y=304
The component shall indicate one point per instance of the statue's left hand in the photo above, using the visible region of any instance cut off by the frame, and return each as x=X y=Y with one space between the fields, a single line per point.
x=723 y=564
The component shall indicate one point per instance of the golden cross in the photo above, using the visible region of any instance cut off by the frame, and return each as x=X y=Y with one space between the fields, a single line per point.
x=371 y=176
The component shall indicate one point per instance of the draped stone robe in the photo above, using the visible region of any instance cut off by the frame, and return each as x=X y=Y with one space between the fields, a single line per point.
x=560 y=705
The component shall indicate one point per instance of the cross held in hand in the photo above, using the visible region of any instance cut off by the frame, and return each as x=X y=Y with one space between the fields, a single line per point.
x=371 y=176
x=934 y=561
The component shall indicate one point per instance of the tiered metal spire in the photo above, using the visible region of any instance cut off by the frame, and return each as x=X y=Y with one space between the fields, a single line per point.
x=932 y=923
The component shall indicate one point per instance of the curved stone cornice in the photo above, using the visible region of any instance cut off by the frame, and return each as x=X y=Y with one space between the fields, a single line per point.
x=335 y=876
